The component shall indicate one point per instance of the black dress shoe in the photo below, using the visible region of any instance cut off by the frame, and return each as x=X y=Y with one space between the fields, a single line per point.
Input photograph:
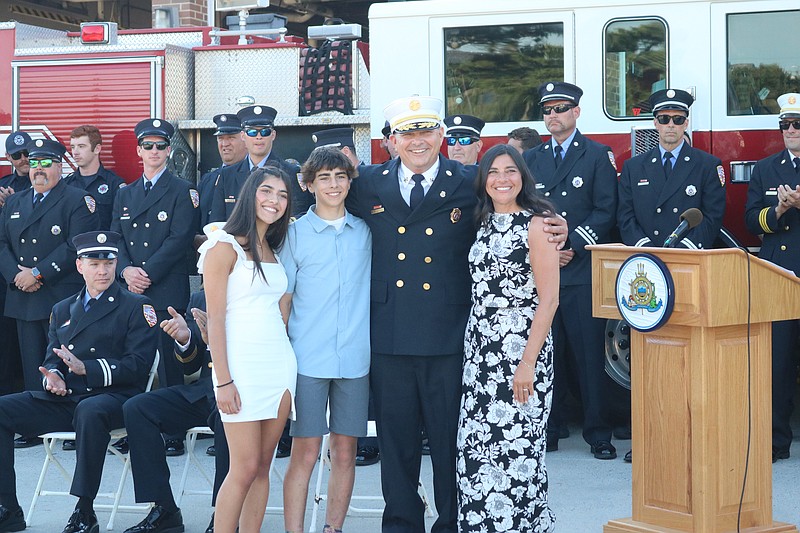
x=68 y=445
x=778 y=454
x=82 y=522
x=26 y=442
x=604 y=450
x=367 y=455
x=11 y=519
x=552 y=443
x=284 y=447
x=159 y=520
x=211 y=450
x=121 y=445
x=174 y=447
x=629 y=456
x=210 y=528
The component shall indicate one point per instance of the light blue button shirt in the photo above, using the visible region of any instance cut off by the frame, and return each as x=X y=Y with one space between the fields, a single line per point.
x=674 y=153
x=329 y=278
x=564 y=146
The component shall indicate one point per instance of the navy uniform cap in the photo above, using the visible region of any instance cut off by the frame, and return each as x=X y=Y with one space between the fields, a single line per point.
x=97 y=244
x=338 y=137
x=46 y=149
x=17 y=141
x=463 y=126
x=227 y=124
x=559 y=90
x=257 y=115
x=154 y=127
x=387 y=129
x=674 y=99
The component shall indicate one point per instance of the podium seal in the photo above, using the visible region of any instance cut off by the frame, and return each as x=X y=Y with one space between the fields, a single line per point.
x=645 y=292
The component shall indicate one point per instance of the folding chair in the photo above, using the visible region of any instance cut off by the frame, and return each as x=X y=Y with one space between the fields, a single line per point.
x=351 y=510
x=52 y=440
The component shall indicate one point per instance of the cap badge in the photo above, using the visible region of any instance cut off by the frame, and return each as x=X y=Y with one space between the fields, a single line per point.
x=156 y=123
x=550 y=87
x=39 y=143
x=257 y=110
x=55 y=230
x=691 y=190
x=162 y=216
x=671 y=94
x=314 y=138
x=223 y=118
x=414 y=105
x=101 y=238
x=102 y=189
x=457 y=121
x=455 y=215
x=792 y=100
x=19 y=140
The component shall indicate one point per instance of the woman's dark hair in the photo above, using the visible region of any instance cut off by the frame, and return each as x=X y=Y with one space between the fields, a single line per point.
x=527 y=198
x=242 y=222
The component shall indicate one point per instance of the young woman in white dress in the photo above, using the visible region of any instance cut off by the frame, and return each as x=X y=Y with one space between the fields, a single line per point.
x=254 y=367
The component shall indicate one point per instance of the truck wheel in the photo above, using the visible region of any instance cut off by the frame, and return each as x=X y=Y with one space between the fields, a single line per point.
x=618 y=352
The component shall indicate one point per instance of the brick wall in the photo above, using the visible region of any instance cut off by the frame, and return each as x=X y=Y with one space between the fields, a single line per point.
x=190 y=12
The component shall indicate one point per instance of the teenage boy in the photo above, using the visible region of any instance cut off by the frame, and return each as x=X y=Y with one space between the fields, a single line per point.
x=327 y=258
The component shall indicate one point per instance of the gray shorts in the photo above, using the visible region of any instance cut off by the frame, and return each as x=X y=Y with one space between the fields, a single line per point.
x=349 y=401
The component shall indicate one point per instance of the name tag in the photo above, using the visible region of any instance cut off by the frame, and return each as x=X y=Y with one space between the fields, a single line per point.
x=540 y=185
x=125 y=217
x=14 y=215
x=377 y=210
x=771 y=192
x=643 y=182
x=230 y=200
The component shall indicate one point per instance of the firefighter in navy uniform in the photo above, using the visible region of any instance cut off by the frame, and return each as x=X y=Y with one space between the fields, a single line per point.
x=17 y=155
x=258 y=124
x=85 y=144
x=36 y=253
x=463 y=137
x=157 y=218
x=578 y=175
x=102 y=342
x=773 y=210
x=658 y=185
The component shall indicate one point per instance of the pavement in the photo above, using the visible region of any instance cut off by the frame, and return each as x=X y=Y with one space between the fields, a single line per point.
x=585 y=493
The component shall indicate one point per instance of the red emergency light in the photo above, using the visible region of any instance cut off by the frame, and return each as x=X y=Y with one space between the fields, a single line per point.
x=98 y=33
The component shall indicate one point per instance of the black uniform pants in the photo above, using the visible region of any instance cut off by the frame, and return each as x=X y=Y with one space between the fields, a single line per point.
x=32 y=335
x=579 y=342
x=409 y=391
x=91 y=419
x=10 y=361
x=149 y=415
x=784 y=380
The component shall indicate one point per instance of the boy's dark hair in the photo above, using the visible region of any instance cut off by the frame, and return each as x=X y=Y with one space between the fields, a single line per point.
x=528 y=137
x=326 y=158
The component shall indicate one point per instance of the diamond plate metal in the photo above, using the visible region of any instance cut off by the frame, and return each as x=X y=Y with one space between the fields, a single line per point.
x=361 y=82
x=39 y=43
x=270 y=75
x=363 y=142
x=179 y=105
x=26 y=35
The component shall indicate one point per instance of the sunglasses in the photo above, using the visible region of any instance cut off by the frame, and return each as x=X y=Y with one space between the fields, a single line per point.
x=463 y=141
x=18 y=155
x=782 y=125
x=560 y=108
x=678 y=120
x=44 y=163
x=160 y=145
x=255 y=132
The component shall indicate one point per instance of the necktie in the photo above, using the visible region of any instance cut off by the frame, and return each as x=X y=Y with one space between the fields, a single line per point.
x=417 y=192
x=89 y=304
x=37 y=199
x=797 y=165
x=558 y=156
x=667 y=163
x=147 y=186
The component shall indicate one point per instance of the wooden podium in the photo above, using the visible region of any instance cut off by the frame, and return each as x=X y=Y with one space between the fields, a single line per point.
x=689 y=391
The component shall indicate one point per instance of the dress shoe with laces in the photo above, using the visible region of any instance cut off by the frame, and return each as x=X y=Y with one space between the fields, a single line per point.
x=159 y=520
x=211 y=450
x=778 y=454
x=604 y=450
x=284 y=448
x=121 y=445
x=11 y=519
x=174 y=447
x=367 y=455
x=82 y=522
x=26 y=442
x=68 y=445
x=629 y=456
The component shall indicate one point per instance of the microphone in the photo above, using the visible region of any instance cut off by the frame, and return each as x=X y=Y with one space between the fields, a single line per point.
x=689 y=219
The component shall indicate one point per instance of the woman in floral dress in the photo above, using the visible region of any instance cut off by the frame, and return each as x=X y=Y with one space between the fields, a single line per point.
x=508 y=350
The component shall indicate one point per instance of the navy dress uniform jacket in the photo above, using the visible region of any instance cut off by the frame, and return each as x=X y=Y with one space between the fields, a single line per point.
x=16 y=182
x=116 y=340
x=157 y=234
x=421 y=286
x=650 y=205
x=42 y=238
x=232 y=177
x=103 y=187
x=781 y=242
x=583 y=189
x=205 y=188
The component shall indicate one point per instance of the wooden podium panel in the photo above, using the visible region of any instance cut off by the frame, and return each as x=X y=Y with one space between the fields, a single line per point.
x=690 y=392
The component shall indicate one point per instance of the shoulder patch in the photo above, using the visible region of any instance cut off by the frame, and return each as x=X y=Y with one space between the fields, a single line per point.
x=611 y=158
x=721 y=174
x=90 y=203
x=195 y=197
x=150 y=314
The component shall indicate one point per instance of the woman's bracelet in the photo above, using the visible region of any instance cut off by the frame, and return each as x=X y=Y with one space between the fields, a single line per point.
x=228 y=383
x=524 y=362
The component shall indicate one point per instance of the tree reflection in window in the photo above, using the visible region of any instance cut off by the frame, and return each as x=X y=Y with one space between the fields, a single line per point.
x=493 y=72
x=762 y=61
x=635 y=65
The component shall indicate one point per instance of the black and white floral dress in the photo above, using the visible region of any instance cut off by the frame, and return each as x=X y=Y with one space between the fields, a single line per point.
x=502 y=479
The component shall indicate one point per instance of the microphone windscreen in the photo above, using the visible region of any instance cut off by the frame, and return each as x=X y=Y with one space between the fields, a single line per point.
x=692 y=216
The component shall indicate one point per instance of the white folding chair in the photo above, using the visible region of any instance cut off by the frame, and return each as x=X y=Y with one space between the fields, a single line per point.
x=51 y=441
x=193 y=460
x=325 y=464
